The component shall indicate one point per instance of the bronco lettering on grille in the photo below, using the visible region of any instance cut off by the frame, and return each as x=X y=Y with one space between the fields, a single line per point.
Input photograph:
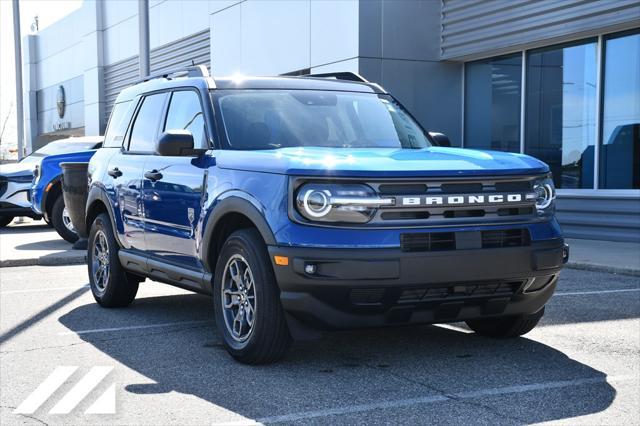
x=462 y=200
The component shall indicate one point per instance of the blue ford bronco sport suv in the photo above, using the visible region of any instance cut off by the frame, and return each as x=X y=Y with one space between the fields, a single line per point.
x=310 y=203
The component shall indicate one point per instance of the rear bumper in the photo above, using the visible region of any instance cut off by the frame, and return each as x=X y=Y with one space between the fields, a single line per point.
x=375 y=287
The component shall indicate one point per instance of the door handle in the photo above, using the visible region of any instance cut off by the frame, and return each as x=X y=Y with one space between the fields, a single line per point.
x=153 y=175
x=115 y=173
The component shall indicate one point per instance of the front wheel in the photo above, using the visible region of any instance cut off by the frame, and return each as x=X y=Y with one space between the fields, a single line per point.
x=5 y=220
x=111 y=285
x=62 y=221
x=505 y=327
x=248 y=312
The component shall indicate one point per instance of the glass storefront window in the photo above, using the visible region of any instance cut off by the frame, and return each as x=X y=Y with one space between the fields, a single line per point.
x=492 y=103
x=561 y=110
x=620 y=149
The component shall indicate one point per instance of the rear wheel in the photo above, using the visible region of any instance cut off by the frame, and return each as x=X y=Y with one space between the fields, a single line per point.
x=5 y=220
x=111 y=285
x=62 y=221
x=248 y=313
x=505 y=327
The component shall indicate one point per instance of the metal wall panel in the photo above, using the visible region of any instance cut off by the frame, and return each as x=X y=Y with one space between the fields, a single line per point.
x=600 y=217
x=193 y=49
x=472 y=29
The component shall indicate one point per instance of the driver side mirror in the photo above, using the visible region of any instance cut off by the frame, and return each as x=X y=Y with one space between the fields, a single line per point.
x=440 y=138
x=175 y=143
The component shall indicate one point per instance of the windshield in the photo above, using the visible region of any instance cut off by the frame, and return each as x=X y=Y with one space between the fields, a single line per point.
x=60 y=147
x=268 y=119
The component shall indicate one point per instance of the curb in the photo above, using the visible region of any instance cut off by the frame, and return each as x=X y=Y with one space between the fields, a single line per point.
x=72 y=259
x=603 y=268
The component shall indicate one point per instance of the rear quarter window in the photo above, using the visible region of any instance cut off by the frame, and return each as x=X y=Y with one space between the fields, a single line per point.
x=118 y=123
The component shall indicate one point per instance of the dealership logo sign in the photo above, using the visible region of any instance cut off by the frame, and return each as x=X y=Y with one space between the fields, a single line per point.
x=61 y=101
x=105 y=404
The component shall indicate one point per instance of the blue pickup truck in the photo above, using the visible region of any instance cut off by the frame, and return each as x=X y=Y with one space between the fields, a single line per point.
x=314 y=203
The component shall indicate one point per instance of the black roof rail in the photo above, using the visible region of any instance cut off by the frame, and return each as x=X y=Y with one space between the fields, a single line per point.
x=343 y=75
x=192 y=71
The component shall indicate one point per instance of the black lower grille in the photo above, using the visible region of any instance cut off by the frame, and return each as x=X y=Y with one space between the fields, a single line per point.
x=439 y=241
x=428 y=241
x=466 y=290
x=367 y=296
x=505 y=238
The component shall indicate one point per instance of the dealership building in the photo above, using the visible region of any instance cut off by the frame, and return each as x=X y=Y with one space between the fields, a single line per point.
x=557 y=79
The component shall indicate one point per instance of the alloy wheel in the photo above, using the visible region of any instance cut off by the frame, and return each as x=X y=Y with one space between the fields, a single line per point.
x=66 y=220
x=238 y=298
x=100 y=261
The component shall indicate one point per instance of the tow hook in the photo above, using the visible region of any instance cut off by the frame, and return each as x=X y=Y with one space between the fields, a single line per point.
x=565 y=253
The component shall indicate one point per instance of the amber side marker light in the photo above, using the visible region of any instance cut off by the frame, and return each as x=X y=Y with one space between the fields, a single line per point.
x=48 y=187
x=281 y=260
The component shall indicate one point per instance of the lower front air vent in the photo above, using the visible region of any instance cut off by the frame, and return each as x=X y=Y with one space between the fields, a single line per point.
x=428 y=241
x=440 y=241
x=505 y=238
x=367 y=296
x=461 y=291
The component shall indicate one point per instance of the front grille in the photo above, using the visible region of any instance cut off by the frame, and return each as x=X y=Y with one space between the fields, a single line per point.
x=442 y=241
x=466 y=201
x=464 y=291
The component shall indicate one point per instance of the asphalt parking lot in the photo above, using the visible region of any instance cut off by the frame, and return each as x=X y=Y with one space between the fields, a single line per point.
x=166 y=363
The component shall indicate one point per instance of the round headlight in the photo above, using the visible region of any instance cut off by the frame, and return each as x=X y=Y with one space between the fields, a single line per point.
x=544 y=194
x=337 y=202
x=316 y=203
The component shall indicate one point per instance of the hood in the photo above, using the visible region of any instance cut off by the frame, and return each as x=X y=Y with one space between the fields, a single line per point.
x=17 y=169
x=381 y=162
x=76 y=156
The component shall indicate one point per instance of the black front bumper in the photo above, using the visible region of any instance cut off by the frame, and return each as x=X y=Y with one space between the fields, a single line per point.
x=345 y=288
x=8 y=209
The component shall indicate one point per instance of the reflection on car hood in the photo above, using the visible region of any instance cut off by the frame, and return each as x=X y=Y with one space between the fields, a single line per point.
x=381 y=162
x=17 y=169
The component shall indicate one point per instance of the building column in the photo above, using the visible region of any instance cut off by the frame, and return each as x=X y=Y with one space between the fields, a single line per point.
x=94 y=120
x=29 y=85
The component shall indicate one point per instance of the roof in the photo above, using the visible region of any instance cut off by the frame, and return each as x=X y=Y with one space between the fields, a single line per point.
x=242 y=82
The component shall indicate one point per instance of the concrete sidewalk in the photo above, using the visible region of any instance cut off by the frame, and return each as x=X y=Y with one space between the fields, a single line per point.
x=604 y=256
x=35 y=243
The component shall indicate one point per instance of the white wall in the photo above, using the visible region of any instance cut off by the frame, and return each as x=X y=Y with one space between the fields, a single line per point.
x=274 y=37
x=58 y=53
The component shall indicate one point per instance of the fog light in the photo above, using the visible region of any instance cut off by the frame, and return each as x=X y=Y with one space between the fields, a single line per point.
x=310 y=268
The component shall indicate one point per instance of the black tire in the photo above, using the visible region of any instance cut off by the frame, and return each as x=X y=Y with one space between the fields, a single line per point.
x=120 y=287
x=58 y=221
x=506 y=327
x=5 y=220
x=268 y=337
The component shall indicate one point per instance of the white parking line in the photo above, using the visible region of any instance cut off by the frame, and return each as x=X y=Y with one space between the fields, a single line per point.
x=132 y=327
x=353 y=409
x=42 y=290
x=582 y=293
